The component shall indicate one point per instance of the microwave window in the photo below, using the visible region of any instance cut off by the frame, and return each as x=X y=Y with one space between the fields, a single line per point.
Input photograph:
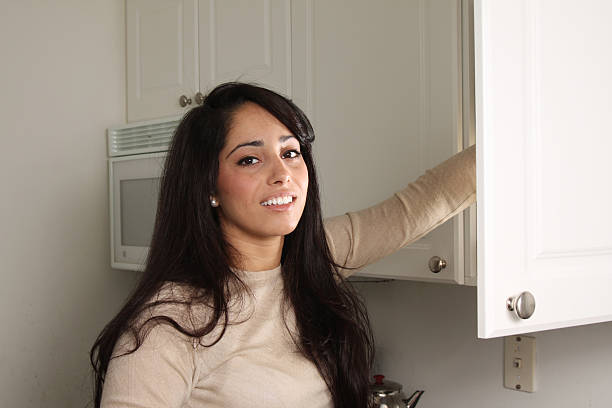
x=138 y=206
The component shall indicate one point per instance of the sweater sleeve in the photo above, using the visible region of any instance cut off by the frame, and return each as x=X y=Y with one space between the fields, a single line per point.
x=357 y=239
x=161 y=373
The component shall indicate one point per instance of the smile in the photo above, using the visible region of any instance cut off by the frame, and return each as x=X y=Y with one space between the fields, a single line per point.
x=281 y=200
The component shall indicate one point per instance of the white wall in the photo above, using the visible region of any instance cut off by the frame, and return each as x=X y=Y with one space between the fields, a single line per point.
x=426 y=337
x=62 y=82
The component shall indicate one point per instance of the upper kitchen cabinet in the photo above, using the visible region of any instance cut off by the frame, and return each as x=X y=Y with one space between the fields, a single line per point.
x=177 y=50
x=543 y=108
x=380 y=82
x=385 y=87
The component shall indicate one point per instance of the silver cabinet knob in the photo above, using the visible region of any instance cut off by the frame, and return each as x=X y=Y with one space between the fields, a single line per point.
x=523 y=305
x=184 y=101
x=436 y=264
x=199 y=98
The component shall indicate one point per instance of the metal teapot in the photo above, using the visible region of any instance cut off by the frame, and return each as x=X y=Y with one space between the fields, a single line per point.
x=388 y=394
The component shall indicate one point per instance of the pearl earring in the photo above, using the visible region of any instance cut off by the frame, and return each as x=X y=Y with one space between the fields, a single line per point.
x=214 y=202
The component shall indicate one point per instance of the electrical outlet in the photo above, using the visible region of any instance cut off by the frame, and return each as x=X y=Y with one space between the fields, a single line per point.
x=519 y=363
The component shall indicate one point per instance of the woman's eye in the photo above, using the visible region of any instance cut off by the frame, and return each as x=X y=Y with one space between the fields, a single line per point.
x=292 y=154
x=248 y=161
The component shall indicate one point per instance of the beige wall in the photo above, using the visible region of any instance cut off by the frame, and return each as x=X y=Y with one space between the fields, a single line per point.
x=62 y=82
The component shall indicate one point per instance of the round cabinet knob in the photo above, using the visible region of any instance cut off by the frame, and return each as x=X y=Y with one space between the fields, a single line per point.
x=436 y=264
x=184 y=101
x=523 y=305
x=199 y=98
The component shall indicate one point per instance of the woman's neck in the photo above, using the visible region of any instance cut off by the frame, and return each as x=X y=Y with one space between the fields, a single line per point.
x=256 y=253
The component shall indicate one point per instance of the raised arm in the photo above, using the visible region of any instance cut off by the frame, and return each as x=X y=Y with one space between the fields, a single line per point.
x=357 y=239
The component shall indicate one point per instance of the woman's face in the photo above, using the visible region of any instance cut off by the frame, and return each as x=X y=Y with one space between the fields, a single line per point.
x=263 y=180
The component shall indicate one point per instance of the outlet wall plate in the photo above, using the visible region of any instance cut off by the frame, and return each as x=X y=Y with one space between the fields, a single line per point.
x=519 y=363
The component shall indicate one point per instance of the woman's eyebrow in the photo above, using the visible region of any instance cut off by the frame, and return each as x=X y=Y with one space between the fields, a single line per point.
x=258 y=143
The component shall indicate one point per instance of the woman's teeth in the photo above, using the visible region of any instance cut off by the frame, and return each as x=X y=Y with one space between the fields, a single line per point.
x=278 y=201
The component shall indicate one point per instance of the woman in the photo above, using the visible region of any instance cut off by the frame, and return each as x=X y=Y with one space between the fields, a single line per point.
x=243 y=300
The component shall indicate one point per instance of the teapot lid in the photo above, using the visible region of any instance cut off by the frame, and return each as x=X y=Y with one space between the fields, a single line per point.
x=383 y=387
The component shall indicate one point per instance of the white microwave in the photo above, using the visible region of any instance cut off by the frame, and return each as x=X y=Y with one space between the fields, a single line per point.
x=136 y=160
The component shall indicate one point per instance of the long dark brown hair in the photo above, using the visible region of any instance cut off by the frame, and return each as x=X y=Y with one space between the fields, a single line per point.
x=188 y=248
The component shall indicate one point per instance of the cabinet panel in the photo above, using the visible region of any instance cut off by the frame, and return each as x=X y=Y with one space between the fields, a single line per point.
x=245 y=40
x=387 y=106
x=161 y=63
x=543 y=102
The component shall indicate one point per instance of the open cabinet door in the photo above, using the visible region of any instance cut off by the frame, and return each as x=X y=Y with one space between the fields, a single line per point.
x=543 y=90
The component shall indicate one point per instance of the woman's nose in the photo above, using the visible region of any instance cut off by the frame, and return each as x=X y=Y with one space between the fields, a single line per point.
x=279 y=173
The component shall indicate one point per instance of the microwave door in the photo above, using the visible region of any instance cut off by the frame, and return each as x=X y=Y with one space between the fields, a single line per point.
x=134 y=191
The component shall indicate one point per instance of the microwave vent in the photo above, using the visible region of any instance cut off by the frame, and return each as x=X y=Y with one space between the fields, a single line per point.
x=141 y=137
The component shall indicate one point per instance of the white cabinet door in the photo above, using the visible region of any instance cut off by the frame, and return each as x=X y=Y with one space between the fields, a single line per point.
x=386 y=106
x=161 y=57
x=176 y=48
x=544 y=137
x=246 y=40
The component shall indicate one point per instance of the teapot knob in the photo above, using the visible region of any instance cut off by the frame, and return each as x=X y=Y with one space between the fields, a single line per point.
x=378 y=378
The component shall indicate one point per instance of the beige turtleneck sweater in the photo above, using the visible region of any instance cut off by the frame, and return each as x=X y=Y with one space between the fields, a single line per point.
x=255 y=363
